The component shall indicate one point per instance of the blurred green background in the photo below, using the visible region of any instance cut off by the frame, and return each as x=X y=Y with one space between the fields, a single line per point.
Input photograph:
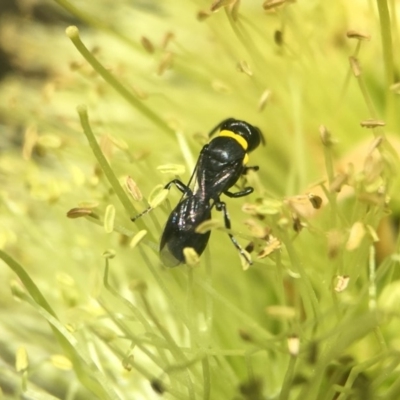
x=284 y=328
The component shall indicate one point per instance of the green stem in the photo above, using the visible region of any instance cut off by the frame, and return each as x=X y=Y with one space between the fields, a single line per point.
x=28 y=283
x=386 y=36
x=387 y=48
x=308 y=294
x=105 y=166
x=367 y=97
x=86 y=371
x=330 y=170
x=287 y=383
x=206 y=378
x=73 y=33
x=95 y=22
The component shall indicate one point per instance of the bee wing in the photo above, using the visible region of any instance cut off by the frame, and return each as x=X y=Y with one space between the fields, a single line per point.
x=193 y=183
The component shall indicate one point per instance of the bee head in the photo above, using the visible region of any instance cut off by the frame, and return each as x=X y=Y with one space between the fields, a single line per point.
x=251 y=134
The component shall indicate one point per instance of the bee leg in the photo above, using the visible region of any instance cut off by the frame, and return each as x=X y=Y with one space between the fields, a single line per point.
x=221 y=206
x=241 y=193
x=244 y=173
x=181 y=186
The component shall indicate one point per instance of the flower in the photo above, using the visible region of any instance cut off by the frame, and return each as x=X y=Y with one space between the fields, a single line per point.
x=150 y=80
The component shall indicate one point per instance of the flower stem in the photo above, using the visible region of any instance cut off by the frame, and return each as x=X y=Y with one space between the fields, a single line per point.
x=105 y=166
x=73 y=33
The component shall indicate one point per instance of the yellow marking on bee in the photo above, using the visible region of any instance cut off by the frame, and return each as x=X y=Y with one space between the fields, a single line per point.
x=235 y=136
x=239 y=139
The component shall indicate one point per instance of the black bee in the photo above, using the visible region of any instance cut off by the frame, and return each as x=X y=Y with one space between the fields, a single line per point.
x=220 y=164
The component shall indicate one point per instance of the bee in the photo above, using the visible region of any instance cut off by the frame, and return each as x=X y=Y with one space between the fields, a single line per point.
x=220 y=165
